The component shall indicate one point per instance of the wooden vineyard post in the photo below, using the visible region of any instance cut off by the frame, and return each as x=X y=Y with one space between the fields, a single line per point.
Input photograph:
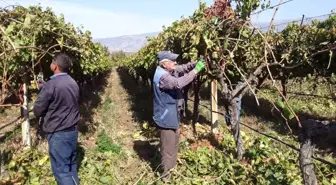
x=25 y=124
x=214 y=107
x=305 y=158
x=312 y=130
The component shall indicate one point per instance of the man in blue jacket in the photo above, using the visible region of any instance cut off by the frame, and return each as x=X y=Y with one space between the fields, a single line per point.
x=168 y=81
x=58 y=104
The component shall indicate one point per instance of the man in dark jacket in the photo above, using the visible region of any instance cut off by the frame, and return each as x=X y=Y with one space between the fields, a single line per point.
x=58 y=104
x=168 y=81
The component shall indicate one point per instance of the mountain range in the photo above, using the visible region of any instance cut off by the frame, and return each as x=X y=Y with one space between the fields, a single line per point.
x=126 y=43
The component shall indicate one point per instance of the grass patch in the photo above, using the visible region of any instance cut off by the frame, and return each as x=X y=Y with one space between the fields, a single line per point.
x=2 y=112
x=310 y=98
x=105 y=144
x=11 y=135
x=107 y=102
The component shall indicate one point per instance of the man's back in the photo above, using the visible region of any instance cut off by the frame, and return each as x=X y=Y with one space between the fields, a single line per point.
x=58 y=103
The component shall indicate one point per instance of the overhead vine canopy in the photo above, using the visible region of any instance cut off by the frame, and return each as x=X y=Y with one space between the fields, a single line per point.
x=235 y=49
x=30 y=36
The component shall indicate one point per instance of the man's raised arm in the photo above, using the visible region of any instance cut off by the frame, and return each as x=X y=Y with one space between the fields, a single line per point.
x=168 y=81
x=185 y=68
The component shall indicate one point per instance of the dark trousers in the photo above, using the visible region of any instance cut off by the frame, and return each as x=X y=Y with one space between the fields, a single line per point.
x=169 y=148
x=62 y=151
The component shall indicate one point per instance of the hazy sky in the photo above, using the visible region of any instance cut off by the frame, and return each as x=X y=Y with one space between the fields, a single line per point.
x=110 y=18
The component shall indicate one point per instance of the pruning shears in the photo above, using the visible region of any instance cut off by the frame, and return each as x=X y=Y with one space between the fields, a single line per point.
x=40 y=81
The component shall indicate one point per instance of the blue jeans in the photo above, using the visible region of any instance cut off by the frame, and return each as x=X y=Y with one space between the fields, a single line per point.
x=62 y=151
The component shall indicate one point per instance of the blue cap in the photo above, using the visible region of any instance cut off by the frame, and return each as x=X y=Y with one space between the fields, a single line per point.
x=167 y=55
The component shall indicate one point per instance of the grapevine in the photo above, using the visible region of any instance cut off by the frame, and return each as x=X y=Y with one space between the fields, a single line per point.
x=241 y=57
x=31 y=35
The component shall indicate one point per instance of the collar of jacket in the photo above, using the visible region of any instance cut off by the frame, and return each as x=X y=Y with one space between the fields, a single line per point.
x=58 y=74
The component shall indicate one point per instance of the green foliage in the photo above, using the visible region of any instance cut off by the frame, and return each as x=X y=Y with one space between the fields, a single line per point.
x=33 y=167
x=307 y=49
x=286 y=109
x=116 y=57
x=11 y=135
x=235 y=51
x=265 y=162
x=229 y=44
x=309 y=97
x=99 y=168
x=33 y=35
x=246 y=7
x=105 y=144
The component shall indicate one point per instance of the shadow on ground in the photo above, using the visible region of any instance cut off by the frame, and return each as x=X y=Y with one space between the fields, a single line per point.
x=80 y=155
x=140 y=97
x=91 y=92
x=148 y=151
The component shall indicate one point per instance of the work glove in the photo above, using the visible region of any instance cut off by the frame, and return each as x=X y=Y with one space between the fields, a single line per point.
x=200 y=65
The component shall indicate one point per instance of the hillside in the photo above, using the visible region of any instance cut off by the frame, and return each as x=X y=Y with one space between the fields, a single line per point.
x=127 y=43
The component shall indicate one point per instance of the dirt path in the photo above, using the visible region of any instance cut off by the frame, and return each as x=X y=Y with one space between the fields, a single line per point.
x=117 y=120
